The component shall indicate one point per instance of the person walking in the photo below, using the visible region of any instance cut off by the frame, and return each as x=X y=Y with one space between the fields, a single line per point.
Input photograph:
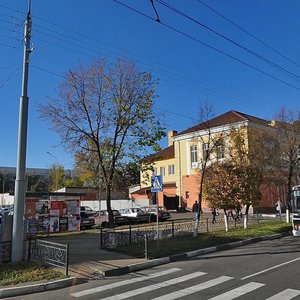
x=195 y=210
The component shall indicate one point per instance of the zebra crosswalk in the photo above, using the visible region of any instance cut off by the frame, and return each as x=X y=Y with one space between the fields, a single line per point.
x=159 y=283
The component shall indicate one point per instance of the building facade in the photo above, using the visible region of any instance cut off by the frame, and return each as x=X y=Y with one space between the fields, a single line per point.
x=180 y=164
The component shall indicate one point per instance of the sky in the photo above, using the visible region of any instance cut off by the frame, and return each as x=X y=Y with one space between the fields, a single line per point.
x=239 y=55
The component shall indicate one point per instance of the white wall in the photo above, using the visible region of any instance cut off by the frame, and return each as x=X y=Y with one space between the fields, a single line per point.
x=115 y=204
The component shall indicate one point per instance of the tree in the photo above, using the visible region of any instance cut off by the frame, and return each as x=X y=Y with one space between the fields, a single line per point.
x=249 y=155
x=211 y=140
x=34 y=183
x=287 y=133
x=56 y=177
x=86 y=171
x=223 y=187
x=106 y=111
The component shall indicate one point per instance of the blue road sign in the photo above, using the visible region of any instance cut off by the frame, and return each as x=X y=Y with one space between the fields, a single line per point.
x=156 y=184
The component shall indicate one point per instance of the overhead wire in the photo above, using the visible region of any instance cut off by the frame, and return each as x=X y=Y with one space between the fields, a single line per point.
x=10 y=77
x=81 y=52
x=249 y=34
x=61 y=39
x=210 y=47
x=171 y=75
x=266 y=60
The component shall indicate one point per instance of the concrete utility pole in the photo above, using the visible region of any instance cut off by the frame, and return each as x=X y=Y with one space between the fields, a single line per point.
x=20 y=186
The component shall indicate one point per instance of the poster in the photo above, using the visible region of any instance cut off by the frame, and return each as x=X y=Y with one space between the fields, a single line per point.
x=30 y=208
x=54 y=224
x=32 y=226
x=73 y=207
x=63 y=224
x=54 y=212
x=57 y=208
x=73 y=223
x=46 y=225
x=41 y=207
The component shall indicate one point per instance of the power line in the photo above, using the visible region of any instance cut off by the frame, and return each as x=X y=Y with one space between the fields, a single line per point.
x=229 y=40
x=10 y=77
x=10 y=46
x=88 y=37
x=250 y=34
x=210 y=47
x=168 y=73
x=47 y=71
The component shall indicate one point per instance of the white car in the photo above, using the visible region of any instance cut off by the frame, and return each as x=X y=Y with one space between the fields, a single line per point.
x=135 y=214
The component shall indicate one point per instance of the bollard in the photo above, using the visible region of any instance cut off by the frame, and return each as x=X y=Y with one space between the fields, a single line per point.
x=101 y=241
x=207 y=225
x=172 y=228
x=129 y=234
x=146 y=246
x=29 y=249
x=67 y=260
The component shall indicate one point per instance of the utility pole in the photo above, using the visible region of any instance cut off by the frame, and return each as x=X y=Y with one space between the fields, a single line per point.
x=20 y=186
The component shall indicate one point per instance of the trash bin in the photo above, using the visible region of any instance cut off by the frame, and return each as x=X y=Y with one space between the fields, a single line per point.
x=296 y=224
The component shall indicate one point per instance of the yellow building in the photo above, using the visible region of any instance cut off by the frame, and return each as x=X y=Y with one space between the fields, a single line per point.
x=180 y=164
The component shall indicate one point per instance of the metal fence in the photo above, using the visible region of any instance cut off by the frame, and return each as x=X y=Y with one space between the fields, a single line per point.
x=112 y=239
x=5 y=252
x=50 y=253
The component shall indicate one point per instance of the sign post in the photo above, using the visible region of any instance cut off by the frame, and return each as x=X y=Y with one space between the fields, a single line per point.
x=156 y=186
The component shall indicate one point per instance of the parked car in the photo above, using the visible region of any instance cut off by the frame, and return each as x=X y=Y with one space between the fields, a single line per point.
x=87 y=209
x=101 y=218
x=163 y=214
x=86 y=220
x=135 y=214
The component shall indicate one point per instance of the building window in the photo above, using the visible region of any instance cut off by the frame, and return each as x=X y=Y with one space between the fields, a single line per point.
x=194 y=156
x=154 y=171
x=206 y=151
x=162 y=171
x=171 y=169
x=220 y=150
x=187 y=195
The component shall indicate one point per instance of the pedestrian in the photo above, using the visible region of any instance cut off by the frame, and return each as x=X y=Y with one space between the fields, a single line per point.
x=195 y=210
x=214 y=214
x=278 y=207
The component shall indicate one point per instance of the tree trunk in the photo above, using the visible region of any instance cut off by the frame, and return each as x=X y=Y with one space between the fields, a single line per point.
x=196 y=226
x=246 y=216
x=226 y=220
x=108 y=205
x=197 y=222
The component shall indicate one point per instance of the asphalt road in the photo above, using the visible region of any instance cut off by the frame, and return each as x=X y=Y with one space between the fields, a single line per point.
x=265 y=270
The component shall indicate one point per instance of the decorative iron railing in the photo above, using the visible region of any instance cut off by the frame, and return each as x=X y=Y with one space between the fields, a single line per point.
x=112 y=239
x=50 y=253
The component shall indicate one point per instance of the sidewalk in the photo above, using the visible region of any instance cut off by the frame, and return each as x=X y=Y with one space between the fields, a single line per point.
x=87 y=260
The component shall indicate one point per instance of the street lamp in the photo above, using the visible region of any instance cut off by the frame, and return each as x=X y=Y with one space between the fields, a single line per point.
x=56 y=169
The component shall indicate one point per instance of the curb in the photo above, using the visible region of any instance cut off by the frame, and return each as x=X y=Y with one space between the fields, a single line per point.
x=37 y=288
x=183 y=256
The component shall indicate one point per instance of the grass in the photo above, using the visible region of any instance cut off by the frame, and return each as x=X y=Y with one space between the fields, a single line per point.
x=13 y=274
x=181 y=244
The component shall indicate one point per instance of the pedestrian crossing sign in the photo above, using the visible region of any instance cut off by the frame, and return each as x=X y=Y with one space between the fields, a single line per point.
x=156 y=184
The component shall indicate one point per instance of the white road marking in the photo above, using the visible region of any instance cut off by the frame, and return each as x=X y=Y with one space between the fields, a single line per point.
x=285 y=295
x=272 y=268
x=155 y=286
x=240 y=291
x=194 y=289
x=124 y=282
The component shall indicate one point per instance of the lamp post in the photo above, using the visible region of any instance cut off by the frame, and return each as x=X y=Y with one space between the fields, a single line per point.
x=56 y=169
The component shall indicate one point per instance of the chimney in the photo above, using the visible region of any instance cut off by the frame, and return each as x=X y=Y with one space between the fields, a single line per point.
x=171 y=133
